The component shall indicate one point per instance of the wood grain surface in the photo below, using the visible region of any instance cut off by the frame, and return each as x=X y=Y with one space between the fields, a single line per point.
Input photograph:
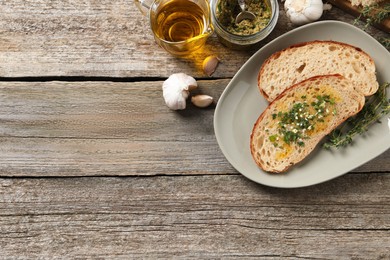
x=93 y=165
x=194 y=217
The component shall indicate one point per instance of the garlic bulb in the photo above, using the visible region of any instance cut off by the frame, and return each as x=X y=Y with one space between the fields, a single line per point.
x=304 y=11
x=176 y=90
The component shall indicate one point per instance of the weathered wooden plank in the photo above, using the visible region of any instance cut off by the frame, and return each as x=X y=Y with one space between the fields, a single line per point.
x=123 y=157
x=194 y=216
x=112 y=157
x=104 y=128
x=110 y=128
x=87 y=110
x=105 y=38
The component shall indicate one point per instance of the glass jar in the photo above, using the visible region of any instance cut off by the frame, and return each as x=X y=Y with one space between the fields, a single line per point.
x=243 y=42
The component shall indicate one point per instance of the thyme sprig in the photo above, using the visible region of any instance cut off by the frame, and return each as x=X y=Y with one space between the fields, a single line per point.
x=377 y=106
x=374 y=13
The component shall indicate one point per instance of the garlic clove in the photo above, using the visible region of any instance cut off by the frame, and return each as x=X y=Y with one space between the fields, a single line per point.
x=210 y=64
x=202 y=100
x=176 y=90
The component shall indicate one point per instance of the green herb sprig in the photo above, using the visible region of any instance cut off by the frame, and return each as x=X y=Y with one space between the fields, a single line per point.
x=377 y=106
x=375 y=14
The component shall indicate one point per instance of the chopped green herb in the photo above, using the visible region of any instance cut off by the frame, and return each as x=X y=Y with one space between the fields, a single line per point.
x=272 y=138
x=294 y=124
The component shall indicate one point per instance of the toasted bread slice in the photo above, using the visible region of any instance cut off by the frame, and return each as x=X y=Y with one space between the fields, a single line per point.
x=309 y=59
x=294 y=123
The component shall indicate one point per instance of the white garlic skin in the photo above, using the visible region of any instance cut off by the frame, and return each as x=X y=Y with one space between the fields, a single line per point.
x=176 y=90
x=302 y=12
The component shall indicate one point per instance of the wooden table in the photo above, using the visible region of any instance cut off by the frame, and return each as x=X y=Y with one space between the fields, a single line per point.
x=94 y=165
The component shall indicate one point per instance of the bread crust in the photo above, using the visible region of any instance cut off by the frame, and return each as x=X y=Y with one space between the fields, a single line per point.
x=368 y=88
x=356 y=97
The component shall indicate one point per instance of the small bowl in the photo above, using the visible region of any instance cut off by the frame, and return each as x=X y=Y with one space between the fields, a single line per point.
x=243 y=42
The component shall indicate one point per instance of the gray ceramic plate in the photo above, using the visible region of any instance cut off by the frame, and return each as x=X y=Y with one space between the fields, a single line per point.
x=241 y=104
